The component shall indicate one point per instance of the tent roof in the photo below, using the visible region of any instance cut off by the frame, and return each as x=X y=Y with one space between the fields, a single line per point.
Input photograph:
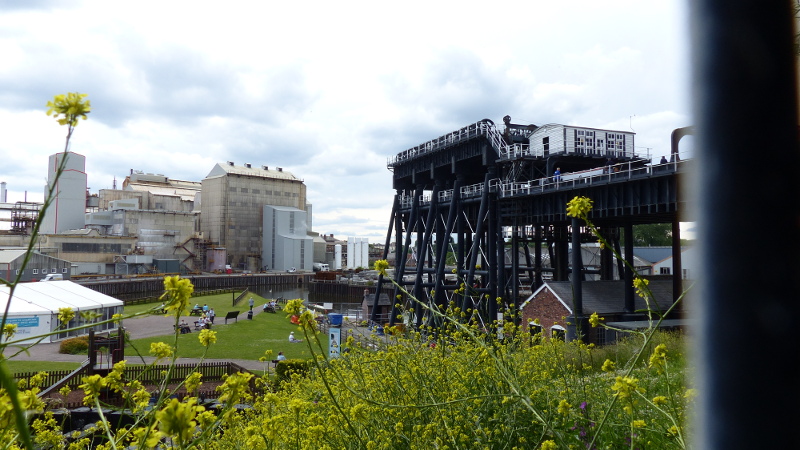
x=43 y=297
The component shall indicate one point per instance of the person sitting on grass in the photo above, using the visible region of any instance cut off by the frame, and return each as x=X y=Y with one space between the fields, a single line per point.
x=292 y=338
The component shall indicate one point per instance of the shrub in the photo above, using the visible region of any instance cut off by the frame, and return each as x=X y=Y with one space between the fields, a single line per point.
x=74 y=346
x=286 y=368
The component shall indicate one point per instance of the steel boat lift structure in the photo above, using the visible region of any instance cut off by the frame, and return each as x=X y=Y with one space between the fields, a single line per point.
x=475 y=208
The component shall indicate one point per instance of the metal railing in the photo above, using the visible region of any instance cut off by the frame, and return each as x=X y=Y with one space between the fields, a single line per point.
x=570 y=180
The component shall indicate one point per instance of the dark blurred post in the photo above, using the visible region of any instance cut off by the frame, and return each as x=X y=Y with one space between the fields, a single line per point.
x=749 y=223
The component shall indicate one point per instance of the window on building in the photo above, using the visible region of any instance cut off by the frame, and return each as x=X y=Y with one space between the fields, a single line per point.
x=558 y=332
x=599 y=335
x=36 y=271
x=536 y=333
x=243 y=190
x=80 y=247
x=64 y=270
x=665 y=271
x=685 y=274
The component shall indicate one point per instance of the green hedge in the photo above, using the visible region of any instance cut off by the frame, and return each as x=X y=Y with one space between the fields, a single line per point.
x=74 y=346
x=287 y=367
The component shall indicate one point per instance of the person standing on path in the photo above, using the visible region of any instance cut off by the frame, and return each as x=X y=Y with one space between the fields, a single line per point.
x=211 y=315
x=251 y=302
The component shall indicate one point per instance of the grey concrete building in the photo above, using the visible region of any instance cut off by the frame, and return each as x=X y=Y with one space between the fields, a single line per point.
x=154 y=192
x=232 y=204
x=69 y=201
x=286 y=243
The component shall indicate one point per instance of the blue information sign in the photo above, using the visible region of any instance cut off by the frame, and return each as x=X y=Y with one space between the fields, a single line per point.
x=24 y=322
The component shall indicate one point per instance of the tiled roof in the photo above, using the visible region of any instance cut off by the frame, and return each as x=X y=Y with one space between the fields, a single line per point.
x=606 y=297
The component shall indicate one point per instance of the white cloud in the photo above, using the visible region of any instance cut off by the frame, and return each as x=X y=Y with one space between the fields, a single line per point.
x=325 y=90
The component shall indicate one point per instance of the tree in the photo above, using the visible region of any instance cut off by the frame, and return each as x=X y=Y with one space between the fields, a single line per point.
x=652 y=235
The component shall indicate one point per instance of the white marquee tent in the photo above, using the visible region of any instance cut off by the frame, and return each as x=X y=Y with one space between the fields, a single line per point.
x=34 y=309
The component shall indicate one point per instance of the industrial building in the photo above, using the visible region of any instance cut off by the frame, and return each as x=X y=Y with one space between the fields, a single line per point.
x=69 y=202
x=232 y=202
x=37 y=268
x=209 y=225
x=155 y=192
x=286 y=243
x=89 y=251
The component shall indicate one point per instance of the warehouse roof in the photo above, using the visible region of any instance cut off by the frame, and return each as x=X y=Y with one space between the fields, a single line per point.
x=251 y=171
x=49 y=296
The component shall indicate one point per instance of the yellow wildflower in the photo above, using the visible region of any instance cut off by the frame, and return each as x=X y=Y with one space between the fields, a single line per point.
x=549 y=445
x=564 y=407
x=638 y=423
x=207 y=337
x=625 y=386
x=660 y=400
x=92 y=385
x=381 y=265
x=641 y=286
x=160 y=350
x=193 y=382
x=579 y=207
x=72 y=106
x=9 y=330
x=177 y=292
x=594 y=320
x=65 y=314
x=659 y=357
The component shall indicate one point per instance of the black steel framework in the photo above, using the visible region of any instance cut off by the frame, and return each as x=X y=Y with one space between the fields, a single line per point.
x=469 y=203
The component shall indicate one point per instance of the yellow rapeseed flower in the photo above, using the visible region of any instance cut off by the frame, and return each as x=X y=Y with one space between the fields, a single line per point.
x=207 y=337
x=193 y=382
x=177 y=419
x=177 y=292
x=92 y=385
x=579 y=207
x=549 y=445
x=65 y=314
x=641 y=286
x=160 y=350
x=660 y=400
x=72 y=107
x=9 y=330
x=625 y=386
x=594 y=320
x=381 y=265
x=659 y=357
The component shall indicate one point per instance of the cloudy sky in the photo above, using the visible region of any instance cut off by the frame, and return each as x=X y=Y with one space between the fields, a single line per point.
x=326 y=90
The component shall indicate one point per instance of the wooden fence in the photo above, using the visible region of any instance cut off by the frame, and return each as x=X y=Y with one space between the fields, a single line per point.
x=149 y=376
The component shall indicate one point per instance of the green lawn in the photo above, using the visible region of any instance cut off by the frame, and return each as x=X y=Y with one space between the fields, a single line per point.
x=15 y=366
x=219 y=302
x=242 y=339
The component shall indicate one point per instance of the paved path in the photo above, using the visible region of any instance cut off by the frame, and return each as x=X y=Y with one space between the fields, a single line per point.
x=141 y=327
